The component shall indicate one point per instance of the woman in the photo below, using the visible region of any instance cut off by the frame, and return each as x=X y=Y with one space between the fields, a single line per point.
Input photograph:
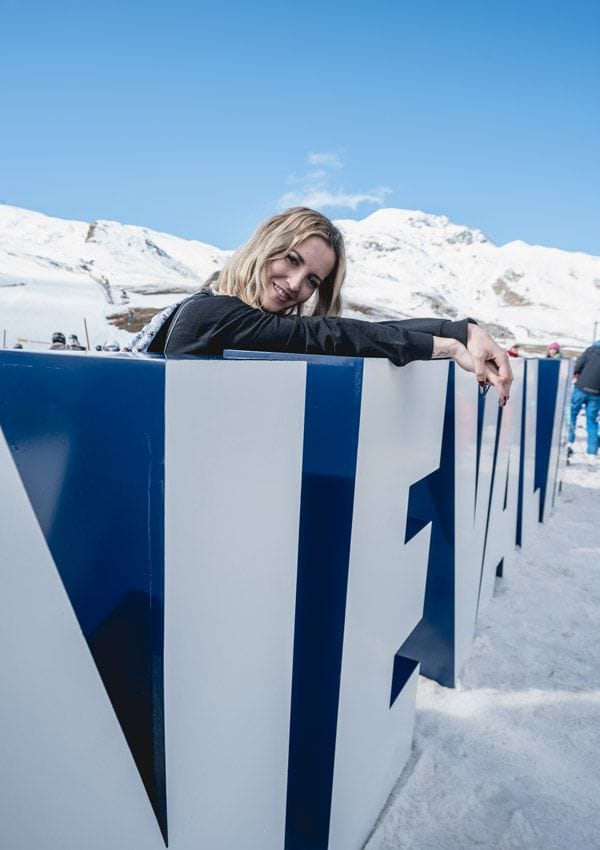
x=553 y=350
x=297 y=258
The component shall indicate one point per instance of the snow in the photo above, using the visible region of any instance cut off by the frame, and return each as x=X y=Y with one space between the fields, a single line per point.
x=510 y=759
x=402 y=263
x=55 y=273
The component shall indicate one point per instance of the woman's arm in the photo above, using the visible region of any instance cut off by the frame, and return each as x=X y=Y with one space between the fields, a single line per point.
x=210 y=324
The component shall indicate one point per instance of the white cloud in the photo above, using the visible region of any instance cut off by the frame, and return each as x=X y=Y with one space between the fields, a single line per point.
x=314 y=189
x=330 y=160
x=320 y=198
x=311 y=177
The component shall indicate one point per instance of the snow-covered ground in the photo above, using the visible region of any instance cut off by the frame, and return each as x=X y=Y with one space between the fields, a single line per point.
x=510 y=760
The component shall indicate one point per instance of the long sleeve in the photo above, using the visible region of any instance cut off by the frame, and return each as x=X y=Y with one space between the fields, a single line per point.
x=437 y=327
x=581 y=361
x=209 y=324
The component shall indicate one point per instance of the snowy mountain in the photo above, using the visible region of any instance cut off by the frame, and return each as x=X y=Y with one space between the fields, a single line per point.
x=417 y=264
x=401 y=263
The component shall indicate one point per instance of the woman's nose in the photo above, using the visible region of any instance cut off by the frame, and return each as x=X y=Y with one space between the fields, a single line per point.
x=295 y=281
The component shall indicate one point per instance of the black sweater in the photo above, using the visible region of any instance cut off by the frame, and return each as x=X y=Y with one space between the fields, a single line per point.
x=208 y=324
x=588 y=370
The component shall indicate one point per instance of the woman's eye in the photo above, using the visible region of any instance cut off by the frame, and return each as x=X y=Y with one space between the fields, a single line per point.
x=292 y=259
x=314 y=282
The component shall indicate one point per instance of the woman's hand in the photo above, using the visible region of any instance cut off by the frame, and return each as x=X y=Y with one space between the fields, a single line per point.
x=452 y=348
x=492 y=364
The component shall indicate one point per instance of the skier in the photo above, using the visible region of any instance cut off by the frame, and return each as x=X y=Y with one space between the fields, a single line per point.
x=587 y=393
x=74 y=344
x=111 y=345
x=59 y=342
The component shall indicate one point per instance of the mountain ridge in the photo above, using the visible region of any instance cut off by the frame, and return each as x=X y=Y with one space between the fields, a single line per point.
x=54 y=272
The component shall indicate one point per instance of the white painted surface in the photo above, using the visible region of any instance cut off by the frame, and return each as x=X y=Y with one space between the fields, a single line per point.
x=559 y=434
x=502 y=527
x=234 y=437
x=472 y=494
x=400 y=435
x=531 y=497
x=67 y=777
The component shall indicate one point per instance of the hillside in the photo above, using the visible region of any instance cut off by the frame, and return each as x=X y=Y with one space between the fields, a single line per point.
x=401 y=263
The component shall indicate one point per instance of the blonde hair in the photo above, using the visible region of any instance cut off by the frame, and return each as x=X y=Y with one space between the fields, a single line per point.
x=244 y=275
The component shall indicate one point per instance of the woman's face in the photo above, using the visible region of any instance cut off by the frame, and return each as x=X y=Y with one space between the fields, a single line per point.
x=292 y=280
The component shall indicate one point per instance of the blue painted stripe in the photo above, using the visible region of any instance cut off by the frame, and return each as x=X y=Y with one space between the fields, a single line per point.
x=519 y=530
x=333 y=397
x=431 y=500
x=489 y=506
x=561 y=427
x=403 y=669
x=546 y=408
x=87 y=437
x=481 y=401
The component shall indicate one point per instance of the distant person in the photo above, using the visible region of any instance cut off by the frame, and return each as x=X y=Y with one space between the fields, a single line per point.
x=515 y=350
x=296 y=259
x=553 y=350
x=587 y=393
x=59 y=341
x=74 y=344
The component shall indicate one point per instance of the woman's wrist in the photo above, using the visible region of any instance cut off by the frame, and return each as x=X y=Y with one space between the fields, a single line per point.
x=456 y=329
x=444 y=347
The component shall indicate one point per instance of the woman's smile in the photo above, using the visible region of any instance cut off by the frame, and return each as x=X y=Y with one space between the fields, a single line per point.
x=281 y=294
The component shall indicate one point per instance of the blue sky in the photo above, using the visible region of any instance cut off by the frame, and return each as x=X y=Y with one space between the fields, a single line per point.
x=201 y=119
